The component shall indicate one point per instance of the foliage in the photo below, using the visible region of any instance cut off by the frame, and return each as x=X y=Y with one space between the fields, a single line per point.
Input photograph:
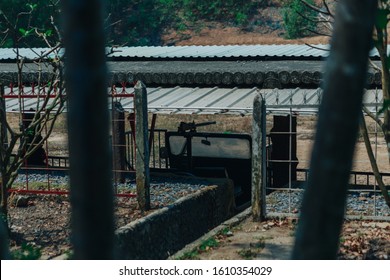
x=299 y=19
x=26 y=20
x=205 y=246
x=235 y=11
x=133 y=23
x=143 y=22
x=26 y=252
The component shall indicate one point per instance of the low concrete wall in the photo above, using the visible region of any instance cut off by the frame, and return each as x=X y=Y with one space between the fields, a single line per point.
x=167 y=230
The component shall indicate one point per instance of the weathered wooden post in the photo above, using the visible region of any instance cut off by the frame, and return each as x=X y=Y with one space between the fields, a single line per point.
x=258 y=159
x=142 y=146
x=118 y=142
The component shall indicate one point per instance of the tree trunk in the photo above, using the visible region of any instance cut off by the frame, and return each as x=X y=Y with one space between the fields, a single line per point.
x=323 y=205
x=4 y=251
x=88 y=127
x=3 y=163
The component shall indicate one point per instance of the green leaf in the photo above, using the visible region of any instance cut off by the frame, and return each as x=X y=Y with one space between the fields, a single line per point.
x=48 y=33
x=23 y=31
x=386 y=106
x=381 y=18
x=31 y=6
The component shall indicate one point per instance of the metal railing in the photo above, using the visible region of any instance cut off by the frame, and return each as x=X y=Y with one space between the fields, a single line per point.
x=158 y=141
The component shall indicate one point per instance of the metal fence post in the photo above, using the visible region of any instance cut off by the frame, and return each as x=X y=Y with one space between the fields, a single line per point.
x=142 y=146
x=258 y=159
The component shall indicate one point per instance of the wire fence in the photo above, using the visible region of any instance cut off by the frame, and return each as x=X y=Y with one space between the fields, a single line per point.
x=291 y=134
x=290 y=126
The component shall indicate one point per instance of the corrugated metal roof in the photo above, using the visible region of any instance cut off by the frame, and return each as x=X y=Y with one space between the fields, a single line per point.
x=232 y=51
x=27 y=53
x=182 y=100
x=198 y=52
x=221 y=52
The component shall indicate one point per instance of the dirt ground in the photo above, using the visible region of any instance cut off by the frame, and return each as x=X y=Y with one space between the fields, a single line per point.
x=45 y=223
x=235 y=36
x=273 y=240
x=265 y=27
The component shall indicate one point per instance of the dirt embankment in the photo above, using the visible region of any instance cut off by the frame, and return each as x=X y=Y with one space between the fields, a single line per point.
x=266 y=28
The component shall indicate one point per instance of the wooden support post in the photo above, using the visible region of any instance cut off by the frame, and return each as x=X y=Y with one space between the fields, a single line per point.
x=258 y=159
x=142 y=146
x=118 y=142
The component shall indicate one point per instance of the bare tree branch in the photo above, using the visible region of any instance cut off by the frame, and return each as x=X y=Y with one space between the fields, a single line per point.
x=49 y=104
x=372 y=116
x=373 y=162
x=315 y=8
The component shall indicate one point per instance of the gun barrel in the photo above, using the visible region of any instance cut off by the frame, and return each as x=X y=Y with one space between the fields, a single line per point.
x=205 y=123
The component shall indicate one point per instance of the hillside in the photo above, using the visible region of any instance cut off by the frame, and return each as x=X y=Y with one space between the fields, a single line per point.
x=265 y=27
x=170 y=22
x=217 y=34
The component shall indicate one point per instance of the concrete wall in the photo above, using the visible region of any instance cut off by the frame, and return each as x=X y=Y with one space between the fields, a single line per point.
x=167 y=230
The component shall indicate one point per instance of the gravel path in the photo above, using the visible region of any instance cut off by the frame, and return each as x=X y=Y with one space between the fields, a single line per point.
x=164 y=190
x=358 y=203
x=44 y=220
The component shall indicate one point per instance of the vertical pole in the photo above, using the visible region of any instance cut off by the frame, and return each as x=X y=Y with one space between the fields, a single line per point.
x=258 y=159
x=118 y=141
x=142 y=146
x=88 y=127
x=151 y=135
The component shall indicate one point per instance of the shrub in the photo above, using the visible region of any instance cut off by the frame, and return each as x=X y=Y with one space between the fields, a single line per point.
x=298 y=19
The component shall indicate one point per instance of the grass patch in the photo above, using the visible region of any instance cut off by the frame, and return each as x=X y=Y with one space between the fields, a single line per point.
x=26 y=252
x=205 y=246
x=208 y=244
x=253 y=250
x=41 y=186
x=247 y=254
